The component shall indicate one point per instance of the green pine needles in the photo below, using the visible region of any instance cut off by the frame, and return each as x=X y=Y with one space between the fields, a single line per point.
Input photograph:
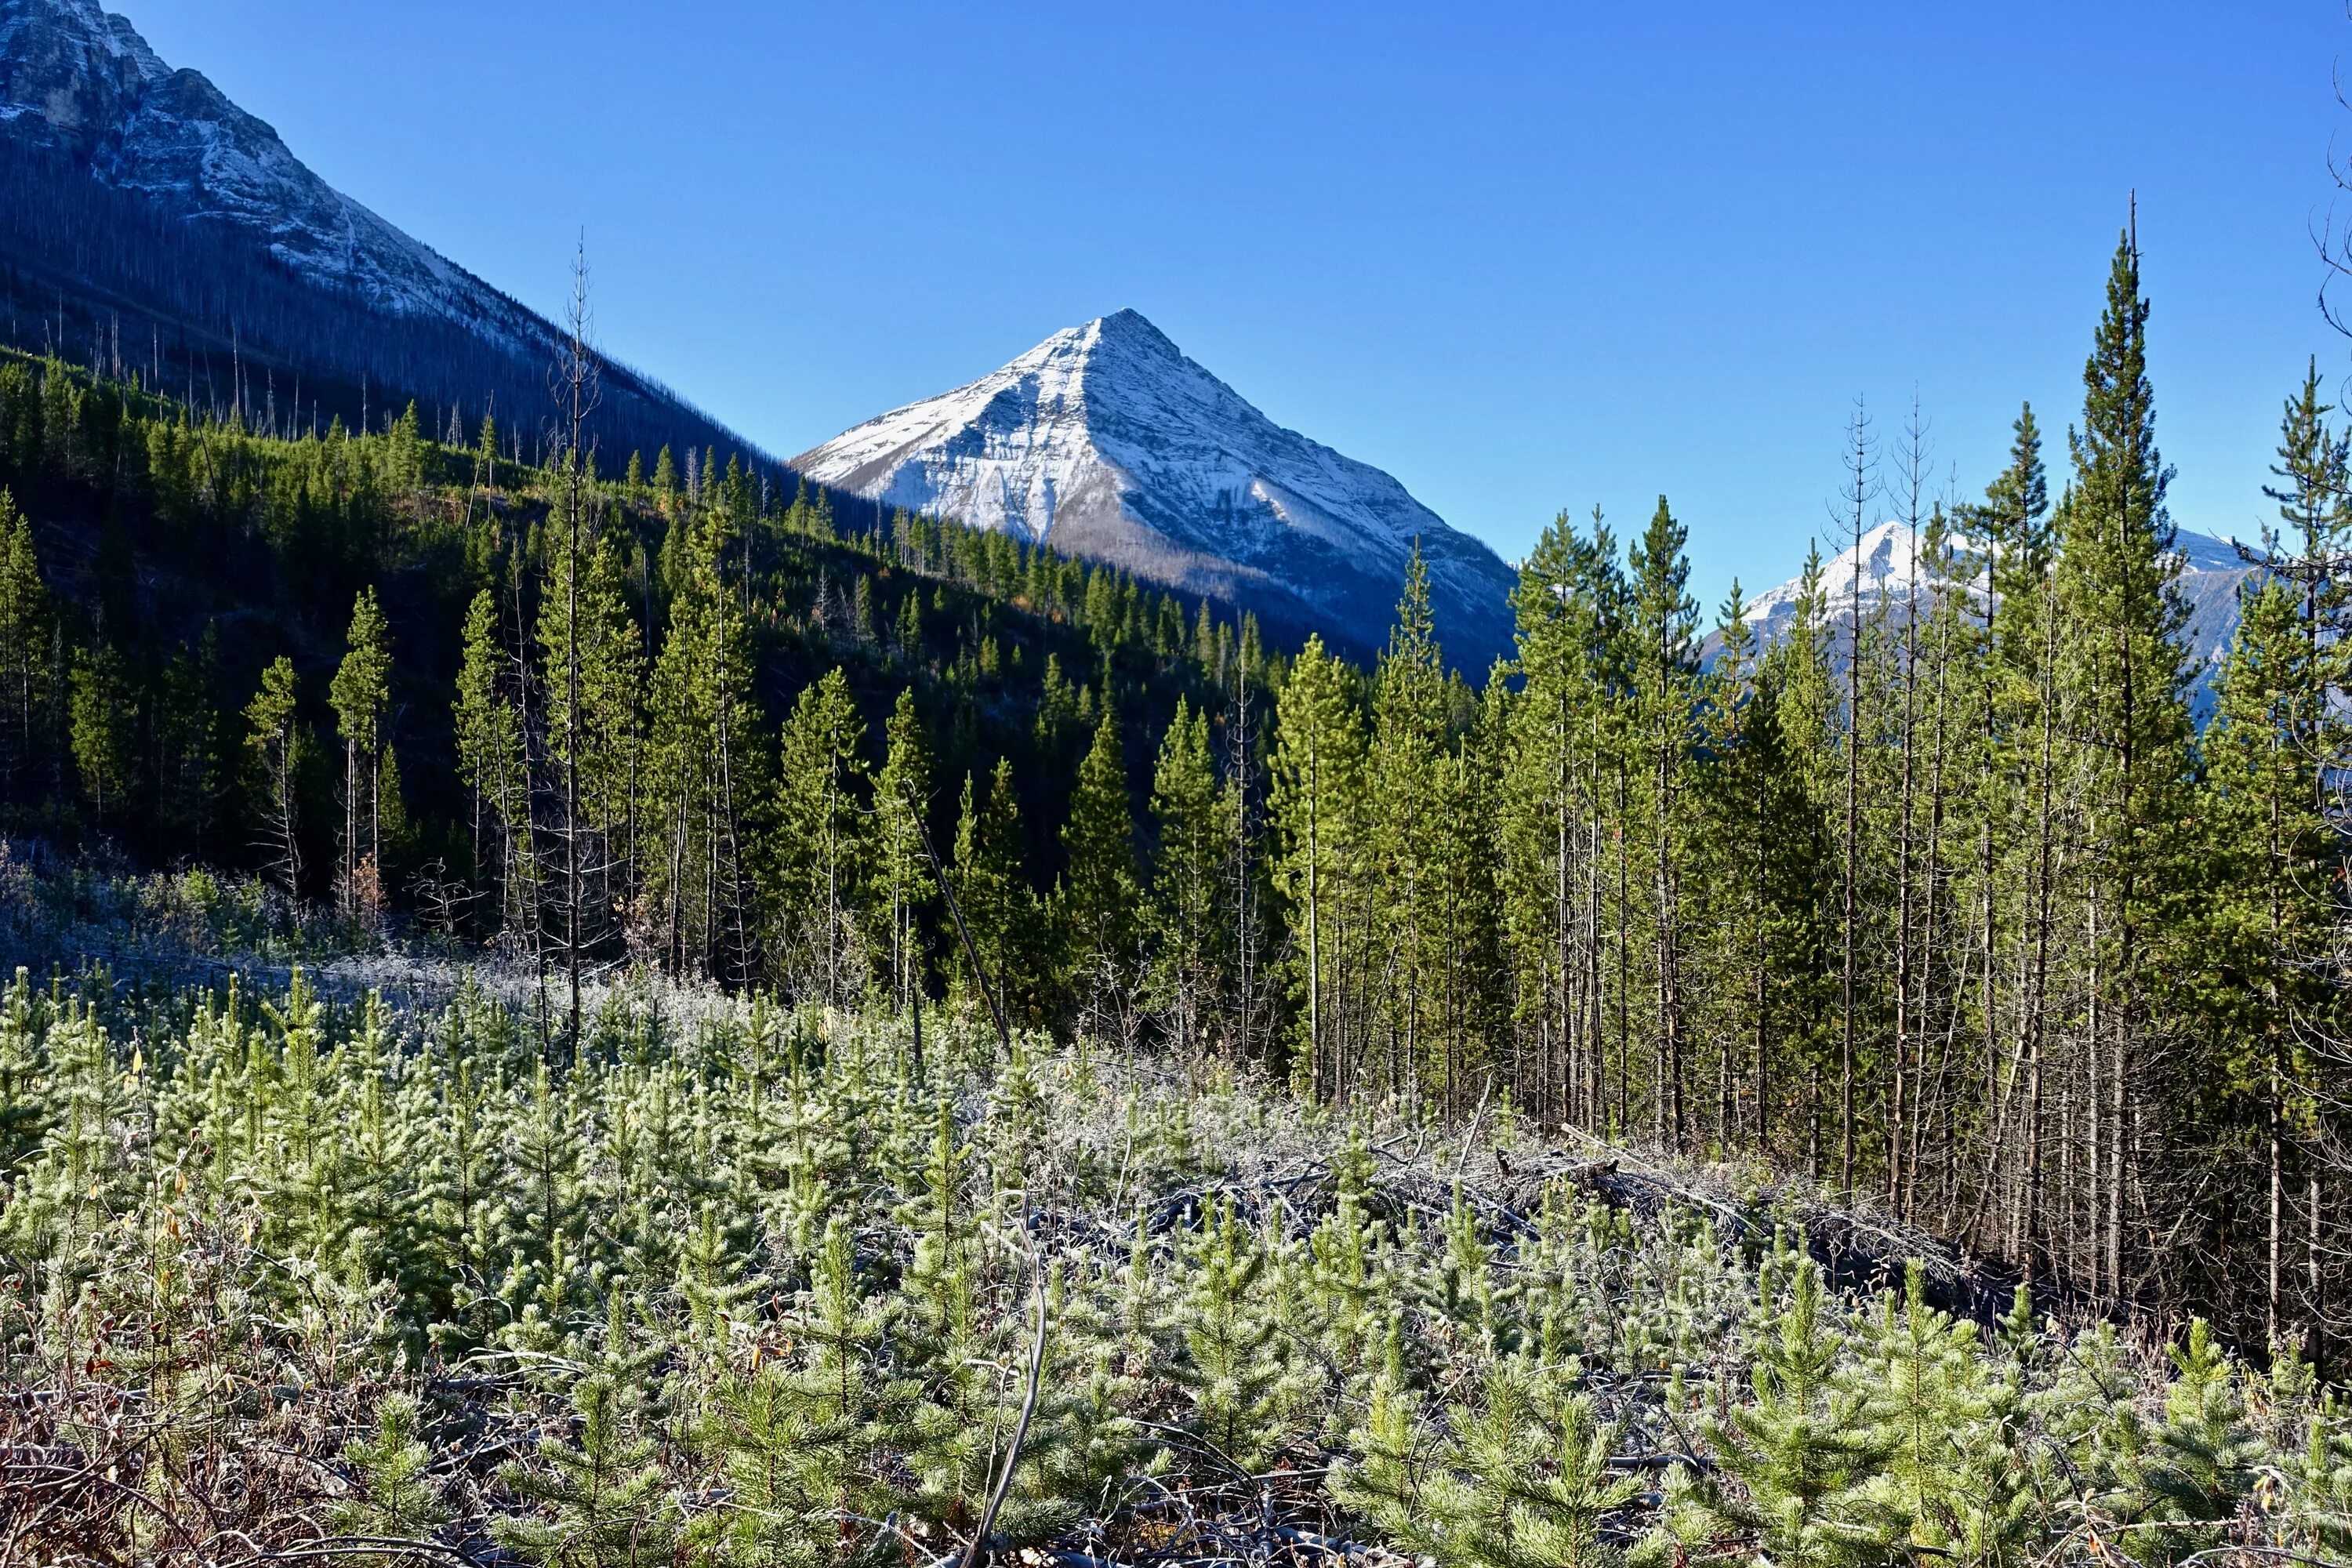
x=739 y=1284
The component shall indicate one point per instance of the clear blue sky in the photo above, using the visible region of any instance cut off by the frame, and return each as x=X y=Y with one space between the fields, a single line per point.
x=1524 y=258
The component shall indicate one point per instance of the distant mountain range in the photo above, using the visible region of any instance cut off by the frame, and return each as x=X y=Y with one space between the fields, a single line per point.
x=149 y=225
x=1106 y=442
x=1890 y=559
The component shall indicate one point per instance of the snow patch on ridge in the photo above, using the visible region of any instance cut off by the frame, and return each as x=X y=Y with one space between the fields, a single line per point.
x=1106 y=439
x=83 y=83
x=1891 y=561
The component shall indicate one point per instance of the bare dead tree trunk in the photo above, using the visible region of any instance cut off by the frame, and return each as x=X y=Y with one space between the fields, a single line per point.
x=1857 y=497
x=576 y=386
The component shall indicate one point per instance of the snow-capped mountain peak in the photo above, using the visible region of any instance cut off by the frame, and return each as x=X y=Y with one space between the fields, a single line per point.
x=1106 y=441
x=1888 y=562
x=1891 y=566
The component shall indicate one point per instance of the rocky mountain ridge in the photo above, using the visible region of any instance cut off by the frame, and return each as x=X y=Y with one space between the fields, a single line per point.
x=1109 y=443
x=150 y=226
x=1890 y=562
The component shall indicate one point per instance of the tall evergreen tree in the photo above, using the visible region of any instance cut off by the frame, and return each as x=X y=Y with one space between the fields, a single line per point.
x=2271 y=863
x=1662 y=657
x=1095 y=902
x=24 y=638
x=902 y=881
x=361 y=695
x=2123 y=680
x=489 y=745
x=1410 y=731
x=999 y=907
x=821 y=837
x=1187 y=909
x=102 y=717
x=274 y=738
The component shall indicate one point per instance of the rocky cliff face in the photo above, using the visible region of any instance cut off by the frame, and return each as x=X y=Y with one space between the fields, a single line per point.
x=145 y=216
x=1106 y=442
x=83 y=84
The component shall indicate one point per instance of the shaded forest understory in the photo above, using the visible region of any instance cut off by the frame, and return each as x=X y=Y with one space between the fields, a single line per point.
x=1947 y=904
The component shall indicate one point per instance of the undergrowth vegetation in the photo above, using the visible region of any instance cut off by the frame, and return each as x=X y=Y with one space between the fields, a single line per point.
x=308 y=1277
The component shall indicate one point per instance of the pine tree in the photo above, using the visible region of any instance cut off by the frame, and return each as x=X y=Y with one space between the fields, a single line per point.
x=1318 y=769
x=600 y=1497
x=902 y=881
x=1410 y=729
x=1550 y=815
x=1928 y=1396
x=1095 y=903
x=798 y=1439
x=1659 y=630
x=1246 y=1398
x=821 y=839
x=186 y=739
x=2271 y=863
x=2122 y=683
x=275 y=739
x=489 y=745
x=999 y=908
x=102 y=718
x=361 y=693
x=1802 y=1452
x=706 y=769
x=2202 y=1463
x=24 y=634
x=396 y=1499
x=587 y=635
x=1522 y=1477
x=1187 y=907
x=1759 y=850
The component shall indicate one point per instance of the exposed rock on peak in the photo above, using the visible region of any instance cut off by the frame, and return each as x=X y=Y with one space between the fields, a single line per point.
x=1106 y=442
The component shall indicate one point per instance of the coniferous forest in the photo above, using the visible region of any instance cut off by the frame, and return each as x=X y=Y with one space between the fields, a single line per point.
x=735 y=1037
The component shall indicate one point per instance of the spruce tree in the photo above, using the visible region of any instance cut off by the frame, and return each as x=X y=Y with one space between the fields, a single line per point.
x=1095 y=903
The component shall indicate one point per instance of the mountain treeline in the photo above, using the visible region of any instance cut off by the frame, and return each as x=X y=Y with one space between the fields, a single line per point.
x=207 y=313
x=1947 y=902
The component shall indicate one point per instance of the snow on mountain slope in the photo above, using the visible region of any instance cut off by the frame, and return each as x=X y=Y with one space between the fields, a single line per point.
x=80 y=82
x=1890 y=559
x=1107 y=443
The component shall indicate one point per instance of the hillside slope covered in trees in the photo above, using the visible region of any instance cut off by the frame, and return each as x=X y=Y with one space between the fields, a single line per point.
x=1955 y=910
x=149 y=223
